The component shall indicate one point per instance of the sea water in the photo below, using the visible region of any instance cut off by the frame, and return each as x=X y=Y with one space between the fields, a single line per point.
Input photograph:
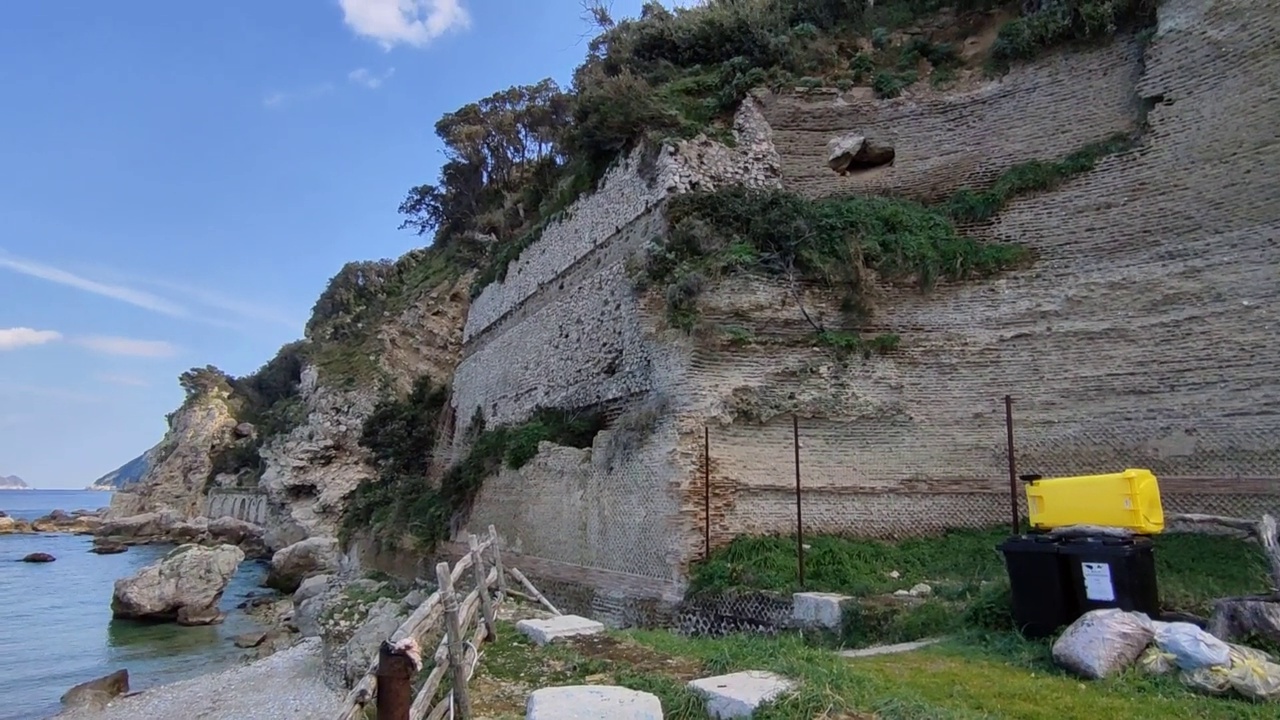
x=56 y=629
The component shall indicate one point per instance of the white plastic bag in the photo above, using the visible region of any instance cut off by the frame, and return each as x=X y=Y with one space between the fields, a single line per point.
x=1194 y=648
x=1103 y=642
x=1255 y=679
x=1155 y=661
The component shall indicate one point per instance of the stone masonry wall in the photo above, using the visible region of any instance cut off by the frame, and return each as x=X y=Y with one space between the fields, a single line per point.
x=1145 y=335
x=242 y=505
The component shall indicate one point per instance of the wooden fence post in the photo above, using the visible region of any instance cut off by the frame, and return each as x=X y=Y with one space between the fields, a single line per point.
x=395 y=683
x=482 y=587
x=497 y=562
x=457 y=648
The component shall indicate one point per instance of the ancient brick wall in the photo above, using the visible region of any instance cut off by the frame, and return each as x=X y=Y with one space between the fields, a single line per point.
x=1145 y=335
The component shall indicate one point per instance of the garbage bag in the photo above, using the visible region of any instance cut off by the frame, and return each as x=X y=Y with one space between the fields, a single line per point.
x=1193 y=647
x=1256 y=680
x=1155 y=661
x=1103 y=642
x=1243 y=653
x=1211 y=680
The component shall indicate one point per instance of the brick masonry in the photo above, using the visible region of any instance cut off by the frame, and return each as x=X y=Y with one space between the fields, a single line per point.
x=1144 y=335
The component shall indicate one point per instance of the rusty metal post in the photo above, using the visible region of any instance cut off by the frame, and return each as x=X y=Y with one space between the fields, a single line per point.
x=395 y=683
x=795 y=439
x=1013 y=466
x=706 y=492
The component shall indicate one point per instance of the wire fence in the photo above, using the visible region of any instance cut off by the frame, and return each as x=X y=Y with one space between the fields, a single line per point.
x=890 y=478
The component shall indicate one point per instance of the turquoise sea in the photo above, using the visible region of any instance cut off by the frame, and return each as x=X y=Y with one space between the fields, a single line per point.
x=55 y=619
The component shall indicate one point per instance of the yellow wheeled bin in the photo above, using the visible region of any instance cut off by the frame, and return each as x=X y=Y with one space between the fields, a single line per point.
x=1129 y=499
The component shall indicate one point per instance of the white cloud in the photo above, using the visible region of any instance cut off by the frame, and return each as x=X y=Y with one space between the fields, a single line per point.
x=109 y=345
x=126 y=380
x=412 y=22
x=362 y=76
x=62 y=277
x=14 y=338
x=280 y=98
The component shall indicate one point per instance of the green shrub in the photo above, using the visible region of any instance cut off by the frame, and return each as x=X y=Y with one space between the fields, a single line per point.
x=1057 y=22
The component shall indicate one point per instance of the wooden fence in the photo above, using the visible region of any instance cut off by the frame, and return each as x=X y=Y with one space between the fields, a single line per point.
x=461 y=624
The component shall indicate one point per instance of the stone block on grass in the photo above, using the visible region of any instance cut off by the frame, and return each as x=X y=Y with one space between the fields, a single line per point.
x=817 y=609
x=592 y=702
x=739 y=694
x=542 y=632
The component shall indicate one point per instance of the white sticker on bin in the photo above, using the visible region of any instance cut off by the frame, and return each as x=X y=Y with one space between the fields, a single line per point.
x=1097 y=582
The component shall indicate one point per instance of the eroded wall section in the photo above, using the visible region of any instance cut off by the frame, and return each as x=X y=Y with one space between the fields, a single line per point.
x=1147 y=334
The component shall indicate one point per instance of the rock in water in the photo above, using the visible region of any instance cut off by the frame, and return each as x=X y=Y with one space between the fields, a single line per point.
x=184 y=587
x=97 y=693
x=299 y=561
x=107 y=547
x=39 y=558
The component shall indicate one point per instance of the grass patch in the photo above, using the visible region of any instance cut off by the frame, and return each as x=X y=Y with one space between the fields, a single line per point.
x=830 y=241
x=1064 y=22
x=969 y=205
x=1193 y=569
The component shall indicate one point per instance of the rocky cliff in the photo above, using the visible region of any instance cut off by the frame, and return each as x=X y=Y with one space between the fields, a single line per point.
x=123 y=476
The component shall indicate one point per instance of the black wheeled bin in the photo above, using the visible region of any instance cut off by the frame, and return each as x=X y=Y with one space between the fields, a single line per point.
x=1111 y=572
x=1041 y=590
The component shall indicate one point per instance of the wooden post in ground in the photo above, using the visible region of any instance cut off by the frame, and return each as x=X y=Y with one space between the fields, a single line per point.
x=457 y=644
x=497 y=563
x=395 y=683
x=482 y=588
x=533 y=591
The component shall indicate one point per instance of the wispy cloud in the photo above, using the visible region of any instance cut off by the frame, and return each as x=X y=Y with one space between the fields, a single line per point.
x=127 y=347
x=19 y=337
x=281 y=98
x=126 y=380
x=62 y=277
x=363 y=76
x=248 y=310
x=411 y=22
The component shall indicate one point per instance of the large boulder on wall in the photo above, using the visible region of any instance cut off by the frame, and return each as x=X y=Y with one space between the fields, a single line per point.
x=301 y=560
x=184 y=587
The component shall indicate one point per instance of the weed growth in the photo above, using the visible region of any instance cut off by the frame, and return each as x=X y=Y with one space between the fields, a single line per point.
x=1053 y=23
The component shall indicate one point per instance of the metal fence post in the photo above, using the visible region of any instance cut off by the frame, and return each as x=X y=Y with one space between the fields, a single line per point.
x=395 y=683
x=795 y=439
x=706 y=492
x=1013 y=468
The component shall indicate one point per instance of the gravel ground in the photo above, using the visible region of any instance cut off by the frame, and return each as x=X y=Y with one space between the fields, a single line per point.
x=283 y=686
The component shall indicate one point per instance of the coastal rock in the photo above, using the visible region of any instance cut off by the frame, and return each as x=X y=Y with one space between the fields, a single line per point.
x=246 y=535
x=350 y=648
x=107 y=547
x=60 y=521
x=249 y=640
x=144 y=526
x=295 y=563
x=97 y=693
x=12 y=526
x=39 y=557
x=184 y=587
x=311 y=587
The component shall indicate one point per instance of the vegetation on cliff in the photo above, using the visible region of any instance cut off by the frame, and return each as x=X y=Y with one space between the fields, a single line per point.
x=519 y=157
x=401 y=436
x=268 y=399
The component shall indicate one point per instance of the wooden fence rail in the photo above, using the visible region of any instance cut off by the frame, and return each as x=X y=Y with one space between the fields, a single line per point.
x=465 y=623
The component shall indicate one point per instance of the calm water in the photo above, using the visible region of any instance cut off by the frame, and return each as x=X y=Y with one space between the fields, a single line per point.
x=55 y=618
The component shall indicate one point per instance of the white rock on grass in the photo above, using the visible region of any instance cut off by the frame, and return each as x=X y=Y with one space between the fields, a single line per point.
x=739 y=694
x=542 y=632
x=816 y=609
x=592 y=702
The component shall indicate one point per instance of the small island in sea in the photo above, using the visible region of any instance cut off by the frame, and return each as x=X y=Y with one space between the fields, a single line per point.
x=13 y=482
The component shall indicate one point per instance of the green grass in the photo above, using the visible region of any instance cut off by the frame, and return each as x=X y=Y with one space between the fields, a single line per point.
x=1193 y=569
x=972 y=677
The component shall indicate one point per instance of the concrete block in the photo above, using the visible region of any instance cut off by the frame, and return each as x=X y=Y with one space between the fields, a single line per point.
x=738 y=695
x=816 y=609
x=544 y=631
x=592 y=702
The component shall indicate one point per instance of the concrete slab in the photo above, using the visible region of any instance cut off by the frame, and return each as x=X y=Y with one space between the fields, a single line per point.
x=561 y=626
x=815 y=609
x=889 y=649
x=739 y=694
x=592 y=702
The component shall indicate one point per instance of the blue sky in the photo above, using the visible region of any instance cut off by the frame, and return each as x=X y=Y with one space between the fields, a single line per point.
x=181 y=179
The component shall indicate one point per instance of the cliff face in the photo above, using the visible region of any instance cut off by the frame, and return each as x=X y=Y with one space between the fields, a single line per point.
x=306 y=464
x=123 y=476
x=180 y=464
